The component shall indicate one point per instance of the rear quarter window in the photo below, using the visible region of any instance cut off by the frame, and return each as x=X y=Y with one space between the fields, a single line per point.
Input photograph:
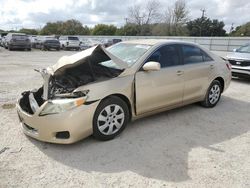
x=193 y=54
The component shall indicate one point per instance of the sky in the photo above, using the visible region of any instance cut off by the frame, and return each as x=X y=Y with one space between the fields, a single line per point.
x=17 y=14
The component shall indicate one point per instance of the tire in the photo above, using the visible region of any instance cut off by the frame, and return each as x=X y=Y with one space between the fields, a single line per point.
x=110 y=118
x=213 y=95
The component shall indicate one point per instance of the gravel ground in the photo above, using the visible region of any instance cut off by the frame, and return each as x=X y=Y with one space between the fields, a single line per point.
x=186 y=147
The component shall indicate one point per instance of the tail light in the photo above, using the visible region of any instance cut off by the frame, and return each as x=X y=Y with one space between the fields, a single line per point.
x=229 y=66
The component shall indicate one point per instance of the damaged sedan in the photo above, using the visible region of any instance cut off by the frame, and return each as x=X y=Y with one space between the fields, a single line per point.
x=98 y=91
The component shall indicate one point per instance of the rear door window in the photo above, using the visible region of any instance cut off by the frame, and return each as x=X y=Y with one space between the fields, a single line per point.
x=193 y=54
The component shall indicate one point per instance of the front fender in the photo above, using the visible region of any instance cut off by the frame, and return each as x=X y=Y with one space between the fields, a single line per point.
x=118 y=85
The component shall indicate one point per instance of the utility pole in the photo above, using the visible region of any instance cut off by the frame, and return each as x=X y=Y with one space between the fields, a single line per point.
x=126 y=20
x=203 y=13
x=231 y=28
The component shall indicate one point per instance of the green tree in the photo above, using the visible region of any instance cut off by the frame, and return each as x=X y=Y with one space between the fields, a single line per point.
x=103 y=29
x=52 y=28
x=69 y=27
x=28 y=31
x=128 y=30
x=243 y=30
x=205 y=27
x=74 y=27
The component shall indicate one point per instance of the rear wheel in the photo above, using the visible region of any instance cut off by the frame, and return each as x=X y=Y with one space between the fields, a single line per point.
x=213 y=94
x=110 y=118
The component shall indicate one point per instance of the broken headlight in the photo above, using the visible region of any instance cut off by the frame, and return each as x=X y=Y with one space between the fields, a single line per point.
x=61 y=105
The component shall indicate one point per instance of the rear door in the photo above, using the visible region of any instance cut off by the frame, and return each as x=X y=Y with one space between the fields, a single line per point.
x=158 y=89
x=198 y=67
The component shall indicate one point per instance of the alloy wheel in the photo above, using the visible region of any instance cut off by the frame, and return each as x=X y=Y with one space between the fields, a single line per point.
x=214 y=94
x=111 y=119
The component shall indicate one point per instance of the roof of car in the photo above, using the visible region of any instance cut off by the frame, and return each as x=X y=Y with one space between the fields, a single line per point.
x=155 y=41
x=18 y=33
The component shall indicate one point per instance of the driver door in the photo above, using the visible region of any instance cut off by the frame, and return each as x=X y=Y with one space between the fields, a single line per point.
x=162 y=88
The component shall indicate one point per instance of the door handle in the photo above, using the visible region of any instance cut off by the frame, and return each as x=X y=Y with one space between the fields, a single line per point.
x=179 y=72
x=211 y=66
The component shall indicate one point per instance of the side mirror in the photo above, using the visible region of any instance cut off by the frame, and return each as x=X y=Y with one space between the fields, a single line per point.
x=235 y=50
x=151 y=66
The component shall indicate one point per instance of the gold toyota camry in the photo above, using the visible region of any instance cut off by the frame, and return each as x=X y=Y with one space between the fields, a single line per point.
x=98 y=91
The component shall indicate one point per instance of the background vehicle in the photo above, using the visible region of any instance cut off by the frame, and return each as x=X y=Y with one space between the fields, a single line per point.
x=109 y=42
x=88 y=43
x=99 y=90
x=3 y=42
x=69 y=42
x=49 y=44
x=37 y=41
x=17 y=41
x=240 y=61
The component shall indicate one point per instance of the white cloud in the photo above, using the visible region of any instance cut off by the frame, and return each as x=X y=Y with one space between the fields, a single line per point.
x=35 y=13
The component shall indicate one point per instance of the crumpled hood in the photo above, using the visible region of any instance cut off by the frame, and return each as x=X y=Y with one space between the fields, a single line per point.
x=69 y=61
x=237 y=55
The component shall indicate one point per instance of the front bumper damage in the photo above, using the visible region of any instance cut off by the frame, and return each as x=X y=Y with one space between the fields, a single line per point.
x=64 y=128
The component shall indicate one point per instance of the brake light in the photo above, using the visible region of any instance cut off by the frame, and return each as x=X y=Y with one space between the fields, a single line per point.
x=229 y=66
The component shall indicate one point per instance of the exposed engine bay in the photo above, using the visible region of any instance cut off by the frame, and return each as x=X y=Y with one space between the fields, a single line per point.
x=71 y=76
x=82 y=74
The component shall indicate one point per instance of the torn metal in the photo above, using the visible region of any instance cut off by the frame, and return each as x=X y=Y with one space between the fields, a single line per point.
x=70 y=72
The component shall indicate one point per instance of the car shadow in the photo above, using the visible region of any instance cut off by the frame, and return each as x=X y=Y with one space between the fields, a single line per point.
x=242 y=80
x=157 y=146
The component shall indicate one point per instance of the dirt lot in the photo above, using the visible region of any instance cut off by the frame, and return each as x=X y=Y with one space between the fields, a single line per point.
x=186 y=147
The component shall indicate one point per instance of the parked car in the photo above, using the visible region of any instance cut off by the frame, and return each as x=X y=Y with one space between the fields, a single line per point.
x=34 y=41
x=88 y=43
x=17 y=41
x=98 y=91
x=69 y=42
x=240 y=61
x=3 y=42
x=109 y=42
x=49 y=44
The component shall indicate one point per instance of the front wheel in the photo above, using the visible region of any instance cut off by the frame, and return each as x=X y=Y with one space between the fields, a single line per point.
x=213 y=95
x=110 y=118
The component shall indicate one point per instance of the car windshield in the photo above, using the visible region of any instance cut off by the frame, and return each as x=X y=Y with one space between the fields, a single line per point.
x=73 y=38
x=129 y=53
x=244 y=49
x=51 y=41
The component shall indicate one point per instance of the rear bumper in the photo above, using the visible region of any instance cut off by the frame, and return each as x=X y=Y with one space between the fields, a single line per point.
x=20 y=46
x=77 y=122
x=52 y=46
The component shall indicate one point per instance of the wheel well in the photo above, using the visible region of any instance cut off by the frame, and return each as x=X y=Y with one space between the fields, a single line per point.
x=221 y=80
x=126 y=100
